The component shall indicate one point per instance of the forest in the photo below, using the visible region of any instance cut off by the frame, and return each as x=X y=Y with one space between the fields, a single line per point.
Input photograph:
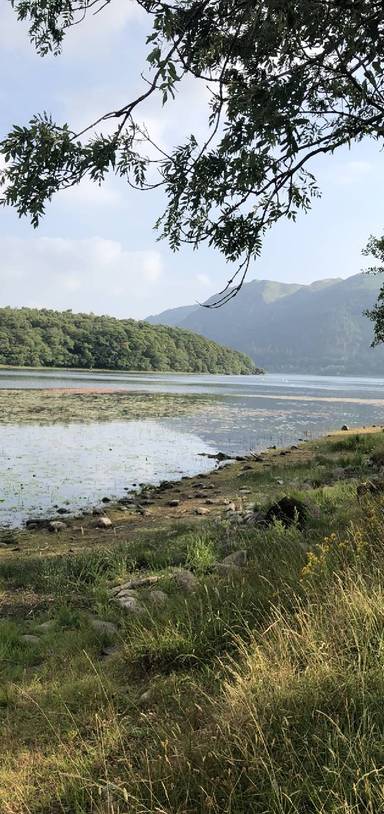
x=33 y=337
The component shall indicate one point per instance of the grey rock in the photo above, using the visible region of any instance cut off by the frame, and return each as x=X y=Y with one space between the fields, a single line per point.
x=102 y=626
x=46 y=626
x=345 y=428
x=110 y=650
x=226 y=569
x=157 y=598
x=173 y=503
x=131 y=604
x=28 y=637
x=141 y=582
x=57 y=525
x=186 y=581
x=145 y=698
x=104 y=523
x=201 y=510
x=238 y=558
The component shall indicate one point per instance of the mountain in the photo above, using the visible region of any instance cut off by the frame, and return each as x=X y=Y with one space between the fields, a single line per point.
x=317 y=328
x=40 y=338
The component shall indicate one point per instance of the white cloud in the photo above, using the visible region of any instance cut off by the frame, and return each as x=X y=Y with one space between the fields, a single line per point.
x=91 y=274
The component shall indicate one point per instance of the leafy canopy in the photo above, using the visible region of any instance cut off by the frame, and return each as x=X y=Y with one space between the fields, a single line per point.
x=289 y=80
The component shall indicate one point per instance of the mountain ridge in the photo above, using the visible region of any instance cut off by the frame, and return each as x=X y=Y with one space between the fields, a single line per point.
x=291 y=327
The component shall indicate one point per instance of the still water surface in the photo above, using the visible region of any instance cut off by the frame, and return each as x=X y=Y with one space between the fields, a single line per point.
x=78 y=464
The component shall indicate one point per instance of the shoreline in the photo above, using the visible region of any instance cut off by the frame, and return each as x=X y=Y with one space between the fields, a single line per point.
x=149 y=504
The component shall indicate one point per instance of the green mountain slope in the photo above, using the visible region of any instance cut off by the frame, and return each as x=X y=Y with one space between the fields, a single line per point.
x=33 y=337
x=317 y=328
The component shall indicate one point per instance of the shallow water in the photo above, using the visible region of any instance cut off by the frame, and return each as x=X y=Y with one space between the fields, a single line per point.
x=78 y=464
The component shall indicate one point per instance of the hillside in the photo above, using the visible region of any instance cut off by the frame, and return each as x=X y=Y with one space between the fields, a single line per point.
x=317 y=328
x=32 y=337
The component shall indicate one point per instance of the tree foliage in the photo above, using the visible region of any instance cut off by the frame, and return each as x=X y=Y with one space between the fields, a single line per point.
x=289 y=79
x=33 y=337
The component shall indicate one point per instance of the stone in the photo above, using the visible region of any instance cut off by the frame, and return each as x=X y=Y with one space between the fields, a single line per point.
x=46 y=626
x=56 y=525
x=109 y=650
x=288 y=511
x=102 y=626
x=131 y=604
x=338 y=473
x=226 y=569
x=245 y=491
x=145 y=698
x=157 y=598
x=231 y=507
x=141 y=582
x=238 y=558
x=173 y=503
x=370 y=487
x=104 y=523
x=63 y=511
x=97 y=512
x=345 y=428
x=105 y=499
x=201 y=510
x=37 y=523
x=30 y=639
x=186 y=581
x=294 y=446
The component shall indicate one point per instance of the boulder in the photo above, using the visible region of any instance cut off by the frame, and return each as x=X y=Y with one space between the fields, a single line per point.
x=288 y=510
x=30 y=639
x=173 y=503
x=201 y=510
x=186 y=581
x=345 y=428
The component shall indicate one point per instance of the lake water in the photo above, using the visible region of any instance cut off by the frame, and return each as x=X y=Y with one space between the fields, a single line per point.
x=78 y=464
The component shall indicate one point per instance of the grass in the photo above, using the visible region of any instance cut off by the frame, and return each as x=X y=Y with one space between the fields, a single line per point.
x=260 y=692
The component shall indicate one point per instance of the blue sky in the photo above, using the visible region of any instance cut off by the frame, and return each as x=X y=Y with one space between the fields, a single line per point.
x=96 y=249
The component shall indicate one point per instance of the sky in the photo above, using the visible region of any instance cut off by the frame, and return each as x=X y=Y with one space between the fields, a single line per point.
x=96 y=249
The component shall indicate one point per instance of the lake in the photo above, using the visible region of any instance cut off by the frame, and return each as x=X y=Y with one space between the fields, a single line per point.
x=77 y=464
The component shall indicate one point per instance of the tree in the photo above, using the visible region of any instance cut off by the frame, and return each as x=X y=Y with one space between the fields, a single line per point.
x=289 y=80
x=375 y=248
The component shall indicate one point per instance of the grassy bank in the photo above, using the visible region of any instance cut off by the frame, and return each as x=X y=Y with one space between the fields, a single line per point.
x=260 y=690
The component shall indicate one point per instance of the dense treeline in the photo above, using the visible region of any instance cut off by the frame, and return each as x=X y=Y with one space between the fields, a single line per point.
x=34 y=337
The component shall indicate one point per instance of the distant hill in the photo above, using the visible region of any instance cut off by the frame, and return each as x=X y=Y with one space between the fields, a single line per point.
x=42 y=338
x=317 y=328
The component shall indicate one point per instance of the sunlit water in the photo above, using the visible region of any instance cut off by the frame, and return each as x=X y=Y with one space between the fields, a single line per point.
x=78 y=464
